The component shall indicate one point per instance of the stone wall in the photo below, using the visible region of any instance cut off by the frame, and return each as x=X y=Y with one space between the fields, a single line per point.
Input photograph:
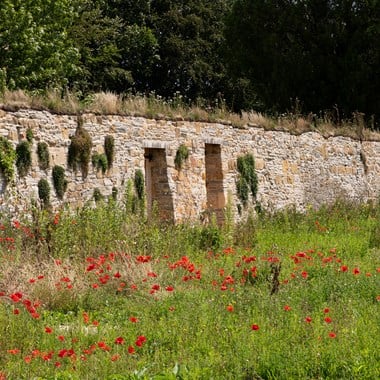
x=301 y=170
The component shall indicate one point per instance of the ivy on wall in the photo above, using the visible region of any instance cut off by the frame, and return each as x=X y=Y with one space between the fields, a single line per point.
x=247 y=180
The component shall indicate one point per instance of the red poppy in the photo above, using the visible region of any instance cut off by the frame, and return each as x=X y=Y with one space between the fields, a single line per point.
x=16 y=311
x=328 y=320
x=117 y=275
x=119 y=340
x=304 y=274
x=169 y=288
x=230 y=308
x=61 y=338
x=140 y=340
x=48 y=330
x=16 y=297
x=344 y=268
x=332 y=334
x=133 y=319
x=326 y=310
x=255 y=327
x=356 y=271
x=115 y=357
x=308 y=319
x=287 y=308
x=131 y=350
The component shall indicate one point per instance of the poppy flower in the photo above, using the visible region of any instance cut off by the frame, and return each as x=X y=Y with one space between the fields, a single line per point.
x=308 y=319
x=287 y=308
x=255 y=327
x=133 y=319
x=48 y=330
x=230 y=308
x=328 y=320
x=119 y=340
x=332 y=335
x=140 y=340
x=131 y=350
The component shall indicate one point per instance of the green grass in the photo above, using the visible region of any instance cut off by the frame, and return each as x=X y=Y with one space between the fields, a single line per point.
x=206 y=301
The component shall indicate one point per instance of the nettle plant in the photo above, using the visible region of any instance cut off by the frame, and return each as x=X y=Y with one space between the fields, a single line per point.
x=247 y=180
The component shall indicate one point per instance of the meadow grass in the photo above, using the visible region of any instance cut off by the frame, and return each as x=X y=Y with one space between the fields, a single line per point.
x=103 y=293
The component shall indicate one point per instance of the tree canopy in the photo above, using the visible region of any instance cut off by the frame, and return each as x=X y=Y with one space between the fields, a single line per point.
x=254 y=54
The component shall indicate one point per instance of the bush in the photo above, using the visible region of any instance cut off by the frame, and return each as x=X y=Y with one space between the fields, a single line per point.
x=181 y=155
x=29 y=135
x=44 y=191
x=23 y=158
x=247 y=181
x=109 y=149
x=43 y=155
x=7 y=158
x=98 y=196
x=139 y=184
x=100 y=162
x=59 y=181
x=80 y=150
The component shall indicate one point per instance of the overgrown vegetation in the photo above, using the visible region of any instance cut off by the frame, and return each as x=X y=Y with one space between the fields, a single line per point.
x=79 y=153
x=7 y=159
x=247 y=180
x=182 y=155
x=110 y=289
x=100 y=162
x=109 y=149
x=43 y=155
x=23 y=158
x=44 y=192
x=59 y=181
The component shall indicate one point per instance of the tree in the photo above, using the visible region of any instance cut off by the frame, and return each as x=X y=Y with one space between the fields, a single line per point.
x=324 y=53
x=35 y=52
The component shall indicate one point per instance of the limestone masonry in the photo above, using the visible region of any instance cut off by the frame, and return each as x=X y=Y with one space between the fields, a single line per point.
x=293 y=170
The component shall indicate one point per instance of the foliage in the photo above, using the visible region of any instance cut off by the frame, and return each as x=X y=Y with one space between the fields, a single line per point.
x=43 y=155
x=139 y=184
x=182 y=154
x=100 y=162
x=98 y=196
x=23 y=158
x=59 y=181
x=79 y=153
x=44 y=191
x=35 y=51
x=7 y=159
x=114 y=290
x=29 y=135
x=247 y=181
x=109 y=149
x=322 y=53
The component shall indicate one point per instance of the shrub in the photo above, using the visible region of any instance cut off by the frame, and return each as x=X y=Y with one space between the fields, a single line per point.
x=80 y=149
x=29 y=135
x=100 y=162
x=44 y=191
x=23 y=158
x=181 y=155
x=43 y=155
x=7 y=158
x=59 y=181
x=109 y=149
x=98 y=196
x=247 y=181
x=139 y=184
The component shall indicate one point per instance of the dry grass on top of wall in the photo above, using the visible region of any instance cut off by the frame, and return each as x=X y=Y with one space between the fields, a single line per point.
x=155 y=107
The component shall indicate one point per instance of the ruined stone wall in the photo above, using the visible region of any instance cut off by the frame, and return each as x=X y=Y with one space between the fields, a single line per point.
x=299 y=170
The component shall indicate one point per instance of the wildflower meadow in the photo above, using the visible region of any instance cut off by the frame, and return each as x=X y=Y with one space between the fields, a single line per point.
x=104 y=293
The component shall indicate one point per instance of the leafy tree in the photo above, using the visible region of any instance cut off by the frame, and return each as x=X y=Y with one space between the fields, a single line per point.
x=35 y=52
x=325 y=53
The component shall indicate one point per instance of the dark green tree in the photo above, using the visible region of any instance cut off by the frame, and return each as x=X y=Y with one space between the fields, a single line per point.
x=35 y=51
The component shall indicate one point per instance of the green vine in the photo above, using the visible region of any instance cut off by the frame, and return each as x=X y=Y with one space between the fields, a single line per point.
x=29 y=135
x=80 y=149
x=7 y=159
x=247 y=181
x=44 y=192
x=23 y=158
x=181 y=155
x=59 y=181
x=43 y=155
x=100 y=162
x=109 y=149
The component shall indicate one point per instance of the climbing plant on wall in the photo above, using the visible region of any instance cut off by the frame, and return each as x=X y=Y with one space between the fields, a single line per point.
x=23 y=158
x=247 y=180
x=109 y=149
x=7 y=159
x=182 y=154
x=80 y=149
x=43 y=155
x=44 y=191
x=59 y=181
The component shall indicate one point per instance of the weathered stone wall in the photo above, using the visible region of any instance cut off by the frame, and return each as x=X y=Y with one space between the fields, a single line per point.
x=299 y=170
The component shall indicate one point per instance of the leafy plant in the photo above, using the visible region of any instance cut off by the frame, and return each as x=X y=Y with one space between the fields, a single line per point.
x=7 y=158
x=98 y=196
x=109 y=149
x=59 y=181
x=139 y=184
x=44 y=191
x=29 y=135
x=23 y=158
x=100 y=162
x=80 y=149
x=247 y=181
x=43 y=155
x=182 y=154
